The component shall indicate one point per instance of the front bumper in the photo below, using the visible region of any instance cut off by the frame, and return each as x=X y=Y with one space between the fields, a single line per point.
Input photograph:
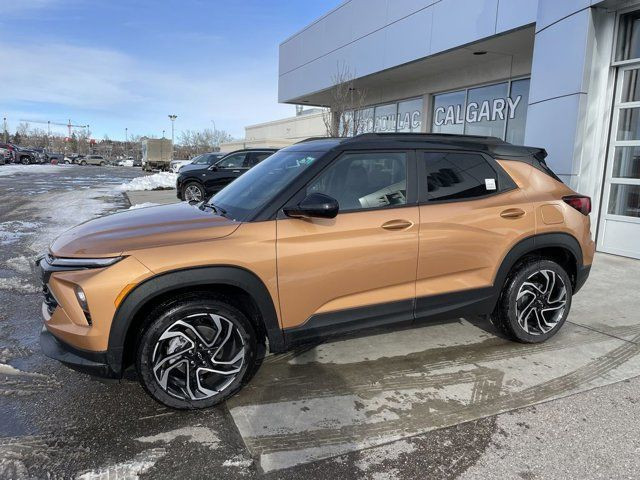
x=93 y=363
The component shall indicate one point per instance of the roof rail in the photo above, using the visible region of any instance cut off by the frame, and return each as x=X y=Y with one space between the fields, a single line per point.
x=426 y=136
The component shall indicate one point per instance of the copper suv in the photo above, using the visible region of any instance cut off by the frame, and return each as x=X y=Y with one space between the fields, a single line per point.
x=324 y=237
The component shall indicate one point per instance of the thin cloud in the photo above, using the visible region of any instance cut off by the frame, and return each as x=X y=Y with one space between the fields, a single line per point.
x=104 y=86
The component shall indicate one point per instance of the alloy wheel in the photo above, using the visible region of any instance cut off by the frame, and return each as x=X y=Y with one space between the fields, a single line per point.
x=541 y=302
x=198 y=356
x=193 y=194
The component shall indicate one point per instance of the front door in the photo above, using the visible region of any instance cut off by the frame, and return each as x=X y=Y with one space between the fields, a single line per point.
x=228 y=169
x=358 y=269
x=620 y=210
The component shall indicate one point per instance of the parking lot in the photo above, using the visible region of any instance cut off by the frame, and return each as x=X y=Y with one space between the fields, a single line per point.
x=446 y=400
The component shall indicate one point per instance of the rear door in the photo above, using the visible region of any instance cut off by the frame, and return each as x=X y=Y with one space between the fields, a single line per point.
x=471 y=214
x=358 y=269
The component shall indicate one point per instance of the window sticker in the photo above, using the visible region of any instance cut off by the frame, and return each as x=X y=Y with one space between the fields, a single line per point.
x=490 y=183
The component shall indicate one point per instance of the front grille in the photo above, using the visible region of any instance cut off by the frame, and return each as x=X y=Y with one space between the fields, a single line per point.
x=49 y=299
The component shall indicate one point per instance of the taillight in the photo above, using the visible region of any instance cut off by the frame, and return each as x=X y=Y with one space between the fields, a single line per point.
x=581 y=203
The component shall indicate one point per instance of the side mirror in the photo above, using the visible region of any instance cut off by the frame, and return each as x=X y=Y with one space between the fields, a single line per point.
x=316 y=205
x=213 y=168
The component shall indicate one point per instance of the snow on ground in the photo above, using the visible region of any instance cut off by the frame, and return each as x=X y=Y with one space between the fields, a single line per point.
x=143 y=205
x=12 y=231
x=151 y=182
x=79 y=206
x=6 y=170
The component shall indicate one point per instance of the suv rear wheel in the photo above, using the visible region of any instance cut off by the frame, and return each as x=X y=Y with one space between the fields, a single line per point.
x=193 y=192
x=196 y=352
x=535 y=301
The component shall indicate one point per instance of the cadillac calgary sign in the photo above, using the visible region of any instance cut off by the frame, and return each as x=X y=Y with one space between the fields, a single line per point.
x=488 y=110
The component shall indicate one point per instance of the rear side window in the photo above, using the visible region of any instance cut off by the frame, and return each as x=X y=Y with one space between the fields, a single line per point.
x=453 y=176
x=257 y=157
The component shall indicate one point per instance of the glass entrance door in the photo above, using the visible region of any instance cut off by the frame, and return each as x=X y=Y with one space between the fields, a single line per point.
x=620 y=214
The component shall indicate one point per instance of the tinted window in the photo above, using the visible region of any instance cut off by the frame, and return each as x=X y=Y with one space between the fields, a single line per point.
x=454 y=176
x=257 y=157
x=200 y=160
x=232 y=161
x=261 y=184
x=365 y=180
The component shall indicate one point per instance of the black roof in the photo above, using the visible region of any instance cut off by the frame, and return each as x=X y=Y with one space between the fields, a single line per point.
x=491 y=145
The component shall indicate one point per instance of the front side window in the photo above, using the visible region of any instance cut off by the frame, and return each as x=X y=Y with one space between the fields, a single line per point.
x=254 y=189
x=200 y=160
x=365 y=180
x=457 y=176
x=232 y=161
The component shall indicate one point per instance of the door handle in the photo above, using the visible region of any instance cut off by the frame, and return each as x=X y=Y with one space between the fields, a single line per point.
x=512 y=213
x=397 y=225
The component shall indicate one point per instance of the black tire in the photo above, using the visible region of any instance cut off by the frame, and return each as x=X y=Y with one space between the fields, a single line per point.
x=25 y=160
x=505 y=315
x=165 y=316
x=102 y=164
x=193 y=185
x=83 y=163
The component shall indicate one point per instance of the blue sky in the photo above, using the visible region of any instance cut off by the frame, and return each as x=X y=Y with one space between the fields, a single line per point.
x=129 y=63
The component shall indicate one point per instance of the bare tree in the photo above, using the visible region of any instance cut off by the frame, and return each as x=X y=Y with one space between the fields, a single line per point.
x=341 y=118
x=193 y=142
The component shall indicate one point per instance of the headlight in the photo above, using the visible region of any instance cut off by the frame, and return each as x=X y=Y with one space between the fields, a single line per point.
x=81 y=263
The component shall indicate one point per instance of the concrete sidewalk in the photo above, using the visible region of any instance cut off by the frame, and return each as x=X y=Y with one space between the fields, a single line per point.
x=360 y=393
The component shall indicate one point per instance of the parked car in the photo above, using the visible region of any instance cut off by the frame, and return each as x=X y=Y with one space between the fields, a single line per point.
x=175 y=165
x=127 y=162
x=198 y=181
x=93 y=160
x=26 y=156
x=8 y=150
x=76 y=158
x=323 y=237
x=51 y=156
x=204 y=160
x=4 y=153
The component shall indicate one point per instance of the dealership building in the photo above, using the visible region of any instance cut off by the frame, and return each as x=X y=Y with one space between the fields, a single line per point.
x=559 y=74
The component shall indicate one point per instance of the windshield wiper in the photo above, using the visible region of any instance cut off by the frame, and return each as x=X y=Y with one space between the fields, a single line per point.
x=217 y=210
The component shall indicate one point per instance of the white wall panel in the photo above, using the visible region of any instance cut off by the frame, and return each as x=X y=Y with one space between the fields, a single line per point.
x=515 y=13
x=408 y=39
x=457 y=22
x=398 y=9
x=553 y=124
x=559 y=58
x=367 y=16
x=550 y=11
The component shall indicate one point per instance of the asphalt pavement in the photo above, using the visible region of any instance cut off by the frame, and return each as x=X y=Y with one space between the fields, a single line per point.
x=446 y=400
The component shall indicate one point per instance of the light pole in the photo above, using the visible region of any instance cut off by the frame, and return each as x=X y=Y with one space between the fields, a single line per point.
x=126 y=141
x=173 y=121
x=5 y=129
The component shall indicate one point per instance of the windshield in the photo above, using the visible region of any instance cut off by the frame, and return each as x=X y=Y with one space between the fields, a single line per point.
x=200 y=159
x=251 y=191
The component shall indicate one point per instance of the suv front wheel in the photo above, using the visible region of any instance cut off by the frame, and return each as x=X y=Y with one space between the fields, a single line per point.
x=193 y=192
x=196 y=352
x=535 y=301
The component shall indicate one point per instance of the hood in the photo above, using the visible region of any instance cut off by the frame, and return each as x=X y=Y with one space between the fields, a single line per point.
x=149 y=227
x=190 y=167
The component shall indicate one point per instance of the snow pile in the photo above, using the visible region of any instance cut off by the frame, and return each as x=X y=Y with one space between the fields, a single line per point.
x=143 y=205
x=157 y=181
x=6 y=170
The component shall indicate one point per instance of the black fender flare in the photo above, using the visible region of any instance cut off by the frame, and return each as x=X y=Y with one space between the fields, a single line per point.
x=191 y=277
x=535 y=242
